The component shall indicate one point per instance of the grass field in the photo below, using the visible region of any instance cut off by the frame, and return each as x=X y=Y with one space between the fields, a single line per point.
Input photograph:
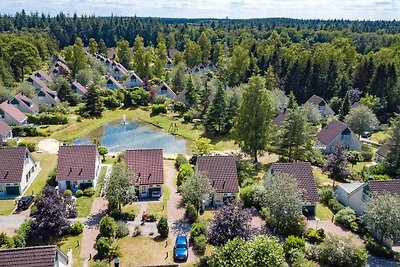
x=321 y=178
x=47 y=164
x=132 y=208
x=159 y=208
x=380 y=137
x=6 y=206
x=84 y=205
x=70 y=242
x=323 y=212
x=100 y=183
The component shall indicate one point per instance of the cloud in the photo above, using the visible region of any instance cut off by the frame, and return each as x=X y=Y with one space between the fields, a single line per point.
x=325 y=9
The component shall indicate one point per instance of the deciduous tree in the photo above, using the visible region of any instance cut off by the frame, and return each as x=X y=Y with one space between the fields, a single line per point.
x=195 y=189
x=361 y=119
x=337 y=165
x=393 y=157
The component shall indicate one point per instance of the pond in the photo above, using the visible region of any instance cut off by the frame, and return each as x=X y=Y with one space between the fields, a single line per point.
x=118 y=137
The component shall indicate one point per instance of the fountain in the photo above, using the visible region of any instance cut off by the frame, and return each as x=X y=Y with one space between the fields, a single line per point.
x=123 y=120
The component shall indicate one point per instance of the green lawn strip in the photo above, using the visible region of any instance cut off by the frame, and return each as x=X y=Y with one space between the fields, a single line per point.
x=321 y=178
x=159 y=208
x=7 y=206
x=70 y=242
x=47 y=164
x=84 y=205
x=323 y=212
x=101 y=180
x=132 y=208
x=380 y=136
x=359 y=166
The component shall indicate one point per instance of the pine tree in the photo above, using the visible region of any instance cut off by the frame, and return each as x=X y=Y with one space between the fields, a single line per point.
x=204 y=98
x=161 y=48
x=218 y=52
x=252 y=126
x=139 y=57
x=124 y=54
x=102 y=47
x=93 y=103
x=345 y=107
x=205 y=46
x=191 y=92
x=393 y=157
x=215 y=120
x=292 y=104
x=79 y=60
x=93 y=47
x=270 y=79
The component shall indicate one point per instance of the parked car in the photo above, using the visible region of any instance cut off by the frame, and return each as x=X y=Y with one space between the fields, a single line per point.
x=156 y=194
x=181 y=248
x=366 y=134
x=25 y=202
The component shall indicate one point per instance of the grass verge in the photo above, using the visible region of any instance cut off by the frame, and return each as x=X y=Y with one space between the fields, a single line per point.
x=47 y=164
x=159 y=208
x=84 y=205
x=7 y=206
x=71 y=242
x=323 y=212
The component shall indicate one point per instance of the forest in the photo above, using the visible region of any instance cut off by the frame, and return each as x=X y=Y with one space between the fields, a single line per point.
x=306 y=57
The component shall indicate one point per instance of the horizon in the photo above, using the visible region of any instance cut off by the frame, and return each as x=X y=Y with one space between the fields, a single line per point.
x=372 y=10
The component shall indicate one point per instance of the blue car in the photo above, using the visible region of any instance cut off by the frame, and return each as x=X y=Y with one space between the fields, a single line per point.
x=181 y=248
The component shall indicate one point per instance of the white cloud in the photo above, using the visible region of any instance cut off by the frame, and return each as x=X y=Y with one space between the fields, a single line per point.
x=326 y=9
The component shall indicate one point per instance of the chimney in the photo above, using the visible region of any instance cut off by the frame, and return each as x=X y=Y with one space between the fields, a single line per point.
x=5 y=176
x=223 y=185
x=70 y=170
x=148 y=178
x=139 y=174
x=80 y=172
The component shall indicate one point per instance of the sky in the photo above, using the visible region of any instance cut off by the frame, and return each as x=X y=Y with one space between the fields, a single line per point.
x=306 y=9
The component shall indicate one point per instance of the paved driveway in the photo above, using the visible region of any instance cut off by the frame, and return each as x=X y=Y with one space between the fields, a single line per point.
x=336 y=230
x=10 y=223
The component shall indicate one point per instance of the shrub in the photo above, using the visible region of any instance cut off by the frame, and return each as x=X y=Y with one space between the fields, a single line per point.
x=157 y=109
x=67 y=193
x=107 y=226
x=31 y=146
x=334 y=205
x=137 y=231
x=187 y=117
x=295 y=227
x=180 y=159
x=107 y=248
x=179 y=107
x=314 y=236
x=121 y=230
x=377 y=249
x=78 y=119
x=6 y=241
x=22 y=234
x=191 y=213
x=79 y=193
x=162 y=227
x=199 y=244
x=247 y=196
x=76 y=228
x=198 y=229
x=325 y=194
x=152 y=218
x=294 y=242
x=89 y=192
x=346 y=216
x=48 y=118
x=354 y=156
x=111 y=102
x=119 y=215
x=27 y=131
x=185 y=170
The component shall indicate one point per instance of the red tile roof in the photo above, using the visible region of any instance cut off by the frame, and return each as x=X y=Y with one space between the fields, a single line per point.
x=316 y=100
x=331 y=131
x=222 y=172
x=147 y=164
x=4 y=128
x=13 y=112
x=381 y=186
x=41 y=256
x=383 y=150
x=12 y=164
x=45 y=76
x=37 y=80
x=302 y=171
x=27 y=102
x=77 y=162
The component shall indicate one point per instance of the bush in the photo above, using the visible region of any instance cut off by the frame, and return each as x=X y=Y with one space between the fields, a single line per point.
x=124 y=216
x=346 y=216
x=187 y=117
x=31 y=146
x=48 y=118
x=151 y=218
x=162 y=227
x=179 y=107
x=294 y=242
x=314 y=236
x=180 y=159
x=107 y=248
x=76 y=228
x=137 y=231
x=377 y=249
x=185 y=170
x=122 y=230
x=89 y=192
x=199 y=244
x=27 y=131
x=296 y=227
x=334 y=205
x=107 y=226
x=67 y=193
x=78 y=119
x=79 y=193
x=191 y=213
x=247 y=196
x=354 y=157
x=22 y=234
x=6 y=241
x=198 y=229
x=325 y=194
x=111 y=102
x=157 y=109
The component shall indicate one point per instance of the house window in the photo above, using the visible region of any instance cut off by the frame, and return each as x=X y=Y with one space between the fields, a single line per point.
x=27 y=176
x=2 y=188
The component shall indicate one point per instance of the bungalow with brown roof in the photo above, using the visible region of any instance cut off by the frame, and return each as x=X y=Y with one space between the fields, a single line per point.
x=334 y=133
x=181 y=97
x=43 y=76
x=45 y=96
x=12 y=115
x=36 y=82
x=148 y=166
x=112 y=83
x=59 y=68
x=280 y=119
x=37 y=256
x=321 y=105
x=78 y=167
x=24 y=104
x=165 y=90
x=302 y=172
x=382 y=153
x=133 y=81
x=5 y=132
x=78 y=88
x=17 y=170
x=117 y=70
x=222 y=172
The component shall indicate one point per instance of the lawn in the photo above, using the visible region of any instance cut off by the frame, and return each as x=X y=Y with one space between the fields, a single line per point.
x=323 y=212
x=6 y=206
x=132 y=208
x=100 y=183
x=208 y=215
x=380 y=137
x=359 y=166
x=47 y=164
x=84 y=205
x=70 y=242
x=321 y=178
x=160 y=207
x=135 y=251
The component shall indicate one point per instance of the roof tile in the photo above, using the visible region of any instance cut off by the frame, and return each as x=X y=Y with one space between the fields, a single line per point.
x=147 y=164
